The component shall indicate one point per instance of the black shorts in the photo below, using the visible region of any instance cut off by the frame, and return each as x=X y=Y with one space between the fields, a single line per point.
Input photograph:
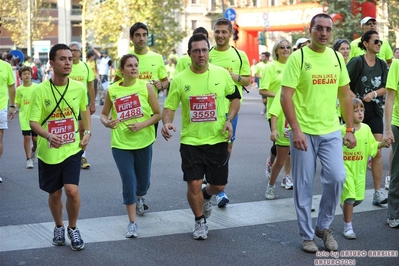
x=209 y=160
x=29 y=133
x=52 y=177
x=371 y=119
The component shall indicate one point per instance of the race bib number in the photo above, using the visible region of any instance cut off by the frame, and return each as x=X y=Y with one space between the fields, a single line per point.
x=128 y=107
x=203 y=108
x=63 y=128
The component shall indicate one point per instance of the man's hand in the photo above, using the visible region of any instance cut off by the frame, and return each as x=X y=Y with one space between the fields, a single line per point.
x=165 y=131
x=299 y=140
x=349 y=140
x=228 y=126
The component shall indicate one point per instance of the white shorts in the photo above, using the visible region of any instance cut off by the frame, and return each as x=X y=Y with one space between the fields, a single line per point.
x=4 y=119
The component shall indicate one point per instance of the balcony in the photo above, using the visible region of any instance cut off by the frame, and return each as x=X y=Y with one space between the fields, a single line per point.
x=196 y=8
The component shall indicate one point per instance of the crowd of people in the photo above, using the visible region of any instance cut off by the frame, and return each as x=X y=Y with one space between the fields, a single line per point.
x=321 y=103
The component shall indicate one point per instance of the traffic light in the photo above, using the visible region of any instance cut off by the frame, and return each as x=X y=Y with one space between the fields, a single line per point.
x=150 y=39
x=262 y=38
x=235 y=32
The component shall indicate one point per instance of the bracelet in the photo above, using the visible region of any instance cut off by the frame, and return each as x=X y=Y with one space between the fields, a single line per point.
x=48 y=137
x=375 y=94
x=12 y=106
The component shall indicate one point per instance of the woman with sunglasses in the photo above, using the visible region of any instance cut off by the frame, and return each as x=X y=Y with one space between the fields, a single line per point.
x=368 y=76
x=270 y=84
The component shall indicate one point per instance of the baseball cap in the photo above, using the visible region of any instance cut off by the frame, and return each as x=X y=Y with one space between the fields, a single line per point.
x=365 y=20
x=301 y=41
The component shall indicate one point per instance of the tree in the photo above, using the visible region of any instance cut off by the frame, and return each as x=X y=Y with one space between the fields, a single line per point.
x=392 y=8
x=111 y=19
x=346 y=18
x=15 y=20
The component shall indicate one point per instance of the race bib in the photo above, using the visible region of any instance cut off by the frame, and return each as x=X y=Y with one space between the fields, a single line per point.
x=128 y=107
x=63 y=128
x=203 y=108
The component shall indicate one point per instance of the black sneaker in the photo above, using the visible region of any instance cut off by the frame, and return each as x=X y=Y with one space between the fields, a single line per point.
x=76 y=241
x=59 y=236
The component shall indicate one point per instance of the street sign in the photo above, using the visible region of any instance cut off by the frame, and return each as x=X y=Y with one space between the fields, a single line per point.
x=230 y=14
x=18 y=53
x=266 y=22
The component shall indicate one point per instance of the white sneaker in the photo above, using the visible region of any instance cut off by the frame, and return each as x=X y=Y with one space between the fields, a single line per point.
x=287 y=182
x=349 y=234
x=29 y=164
x=394 y=223
x=387 y=181
x=269 y=194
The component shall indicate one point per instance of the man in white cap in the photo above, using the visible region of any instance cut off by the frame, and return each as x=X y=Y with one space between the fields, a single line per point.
x=370 y=23
x=301 y=42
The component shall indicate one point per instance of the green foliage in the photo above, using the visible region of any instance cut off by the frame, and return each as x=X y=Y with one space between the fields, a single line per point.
x=14 y=14
x=348 y=25
x=392 y=8
x=109 y=20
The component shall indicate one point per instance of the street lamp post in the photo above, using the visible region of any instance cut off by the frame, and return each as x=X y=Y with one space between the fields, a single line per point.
x=84 y=4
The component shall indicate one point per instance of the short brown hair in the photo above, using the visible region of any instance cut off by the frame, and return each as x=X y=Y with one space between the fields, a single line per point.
x=23 y=69
x=357 y=103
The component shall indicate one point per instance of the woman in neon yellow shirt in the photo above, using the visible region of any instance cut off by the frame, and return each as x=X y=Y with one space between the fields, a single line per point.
x=134 y=109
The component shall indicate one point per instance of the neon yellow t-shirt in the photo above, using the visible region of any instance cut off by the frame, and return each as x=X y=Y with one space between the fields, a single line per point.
x=183 y=63
x=202 y=98
x=282 y=124
x=132 y=103
x=259 y=68
x=230 y=61
x=355 y=161
x=385 y=53
x=393 y=83
x=82 y=72
x=23 y=98
x=6 y=79
x=271 y=80
x=44 y=100
x=171 y=70
x=151 y=67
x=316 y=88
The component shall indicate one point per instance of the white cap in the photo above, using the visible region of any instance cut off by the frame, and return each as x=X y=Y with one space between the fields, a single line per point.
x=365 y=20
x=301 y=41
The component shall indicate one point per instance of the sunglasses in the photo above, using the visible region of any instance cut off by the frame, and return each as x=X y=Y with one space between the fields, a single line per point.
x=285 y=47
x=377 y=42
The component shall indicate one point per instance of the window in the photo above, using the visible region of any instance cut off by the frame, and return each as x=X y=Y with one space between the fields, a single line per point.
x=193 y=24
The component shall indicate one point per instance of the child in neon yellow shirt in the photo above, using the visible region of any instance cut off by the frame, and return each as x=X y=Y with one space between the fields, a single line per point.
x=355 y=161
x=22 y=100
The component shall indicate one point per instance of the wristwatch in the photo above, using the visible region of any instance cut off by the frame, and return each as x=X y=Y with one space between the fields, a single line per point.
x=87 y=132
x=229 y=120
x=239 y=78
x=350 y=129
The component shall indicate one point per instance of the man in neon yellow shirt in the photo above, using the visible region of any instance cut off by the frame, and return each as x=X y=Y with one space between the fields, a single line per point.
x=54 y=115
x=185 y=61
x=386 y=54
x=7 y=93
x=392 y=133
x=312 y=79
x=82 y=72
x=237 y=64
x=151 y=65
x=202 y=89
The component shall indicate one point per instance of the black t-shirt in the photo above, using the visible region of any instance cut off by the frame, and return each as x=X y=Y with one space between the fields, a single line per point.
x=365 y=79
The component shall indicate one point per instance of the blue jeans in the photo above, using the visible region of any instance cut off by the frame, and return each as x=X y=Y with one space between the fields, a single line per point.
x=135 y=170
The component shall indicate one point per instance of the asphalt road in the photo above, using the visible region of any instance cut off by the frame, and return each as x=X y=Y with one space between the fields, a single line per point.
x=250 y=231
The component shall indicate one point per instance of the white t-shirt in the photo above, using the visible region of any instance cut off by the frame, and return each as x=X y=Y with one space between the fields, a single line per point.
x=103 y=65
